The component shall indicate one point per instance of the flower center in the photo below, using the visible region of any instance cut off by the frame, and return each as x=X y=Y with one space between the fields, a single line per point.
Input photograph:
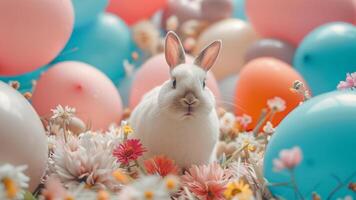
x=10 y=187
x=235 y=191
x=149 y=195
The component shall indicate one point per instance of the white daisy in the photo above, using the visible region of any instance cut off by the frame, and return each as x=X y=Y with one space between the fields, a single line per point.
x=63 y=115
x=13 y=181
x=227 y=122
x=247 y=139
x=244 y=120
x=276 y=104
x=268 y=128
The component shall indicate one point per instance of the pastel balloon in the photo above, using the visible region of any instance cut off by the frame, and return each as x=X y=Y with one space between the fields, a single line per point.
x=263 y=79
x=227 y=89
x=104 y=44
x=326 y=55
x=236 y=36
x=125 y=86
x=33 y=32
x=324 y=128
x=293 y=19
x=271 y=48
x=184 y=10
x=213 y=10
x=239 y=10
x=22 y=137
x=132 y=11
x=153 y=73
x=86 y=11
x=81 y=86
x=26 y=80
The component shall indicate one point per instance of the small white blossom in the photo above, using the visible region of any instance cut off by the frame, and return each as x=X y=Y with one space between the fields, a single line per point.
x=244 y=120
x=63 y=115
x=13 y=182
x=268 y=128
x=172 y=23
x=276 y=104
x=249 y=140
x=227 y=122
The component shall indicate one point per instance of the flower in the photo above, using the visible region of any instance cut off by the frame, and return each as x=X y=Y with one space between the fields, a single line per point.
x=147 y=187
x=171 y=183
x=276 y=104
x=247 y=138
x=206 y=181
x=244 y=120
x=146 y=36
x=86 y=159
x=126 y=128
x=172 y=23
x=63 y=115
x=128 y=151
x=238 y=190
x=268 y=128
x=161 y=165
x=13 y=181
x=288 y=159
x=349 y=83
x=227 y=122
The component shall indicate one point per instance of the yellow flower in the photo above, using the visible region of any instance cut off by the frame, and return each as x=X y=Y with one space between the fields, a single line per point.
x=148 y=195
x=238 y=189
x=10 y=187
x=121 y=177
x=127 y=129
x=171 y=183
x=103 y=195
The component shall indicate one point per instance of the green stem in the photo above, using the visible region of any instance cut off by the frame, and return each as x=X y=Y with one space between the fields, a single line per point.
x=261 y=121
x=294 y=185
x=140 y=167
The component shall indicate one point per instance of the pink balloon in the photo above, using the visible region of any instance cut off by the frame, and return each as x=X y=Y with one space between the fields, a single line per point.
x=32 y=33
x=154 y=72
x=81 y=86
x=291 y=20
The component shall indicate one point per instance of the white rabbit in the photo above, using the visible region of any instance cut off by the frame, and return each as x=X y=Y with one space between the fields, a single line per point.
x=178 y=119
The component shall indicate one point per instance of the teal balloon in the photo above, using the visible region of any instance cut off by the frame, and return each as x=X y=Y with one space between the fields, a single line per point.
x=87 y=11
x=104 y=44
x=324 y=128
x=239 y=9
x=25 y=80
x=326 y=55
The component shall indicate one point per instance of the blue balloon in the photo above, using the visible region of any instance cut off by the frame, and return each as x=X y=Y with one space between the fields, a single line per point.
x=105 y=44
x=326 y=55
x=239 y=11
x=87 y=10
x=324 y=128
x=25 y=80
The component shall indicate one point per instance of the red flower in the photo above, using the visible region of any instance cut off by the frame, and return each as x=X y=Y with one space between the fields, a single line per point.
x=128 y=151
x=161 y=165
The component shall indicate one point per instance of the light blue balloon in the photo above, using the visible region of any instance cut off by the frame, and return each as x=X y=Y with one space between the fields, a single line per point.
x=239 y=11
x=25 y=80
x=87 y=10
x=326 y=55
x=124 y=87
x=105 y=44
x=324 y=128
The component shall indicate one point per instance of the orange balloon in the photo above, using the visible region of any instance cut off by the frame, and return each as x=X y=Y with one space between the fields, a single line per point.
x=132 y=11
x=262 y=79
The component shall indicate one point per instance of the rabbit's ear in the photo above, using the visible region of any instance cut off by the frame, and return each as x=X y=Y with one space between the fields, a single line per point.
x=174 y=51
x=208 y=56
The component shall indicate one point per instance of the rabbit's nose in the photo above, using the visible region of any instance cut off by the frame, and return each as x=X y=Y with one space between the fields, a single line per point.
x=189 y=100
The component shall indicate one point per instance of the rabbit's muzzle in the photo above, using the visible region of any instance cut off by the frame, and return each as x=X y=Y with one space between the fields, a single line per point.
x=189 y=100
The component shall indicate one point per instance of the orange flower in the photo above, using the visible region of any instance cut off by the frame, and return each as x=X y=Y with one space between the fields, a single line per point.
x=161 y=165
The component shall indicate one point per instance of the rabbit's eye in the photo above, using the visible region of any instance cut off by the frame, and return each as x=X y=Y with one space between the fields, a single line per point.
x=174 y=84
x=203 y=84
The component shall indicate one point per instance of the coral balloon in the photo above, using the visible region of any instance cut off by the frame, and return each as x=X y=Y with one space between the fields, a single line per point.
x=236 y=36
x=154 y=72
x=22 y=137
x=81 y=86
x=33 y=32
x=291 y=20
x=132 y=11
x=87 y=10
x=263 y=79
x=104 y=44
x=271 y=48
x=326 y=55
x=324 y=128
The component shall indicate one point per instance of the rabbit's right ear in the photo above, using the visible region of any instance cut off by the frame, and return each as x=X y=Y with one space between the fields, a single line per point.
x=173 y=50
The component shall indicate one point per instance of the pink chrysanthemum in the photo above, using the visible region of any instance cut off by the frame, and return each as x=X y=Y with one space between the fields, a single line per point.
x=129 y=151
x=349 y=83
x=161 y=165
x=207 y=182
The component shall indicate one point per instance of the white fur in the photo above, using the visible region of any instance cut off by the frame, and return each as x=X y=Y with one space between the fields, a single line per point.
x=162 y=121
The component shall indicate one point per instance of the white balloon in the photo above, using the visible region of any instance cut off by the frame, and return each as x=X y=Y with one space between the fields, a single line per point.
x=227 y=88
x=22 y=136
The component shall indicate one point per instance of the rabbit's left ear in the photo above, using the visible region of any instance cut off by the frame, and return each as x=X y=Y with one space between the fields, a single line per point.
x=208 y=56
x=174 y=50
